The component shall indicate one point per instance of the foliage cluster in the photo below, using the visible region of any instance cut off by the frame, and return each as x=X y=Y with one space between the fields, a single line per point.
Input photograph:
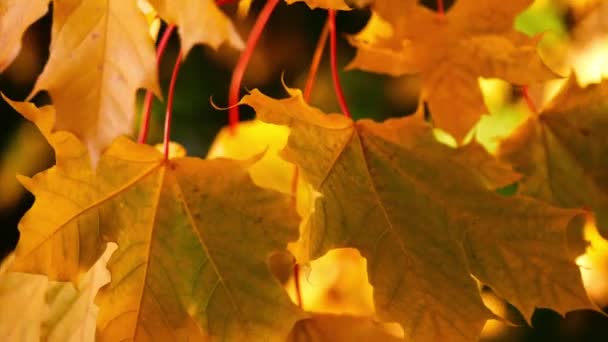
x=216 y=248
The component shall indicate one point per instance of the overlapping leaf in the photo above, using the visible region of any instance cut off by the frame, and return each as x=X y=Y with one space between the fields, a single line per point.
x=193 y=239
x=198 y=22
x=475 y=38
x=424 y=221
x=15 y=17
x=49 y=310
x=562 y=151
x=339 y=328
x=327 y=4
x=100 y=55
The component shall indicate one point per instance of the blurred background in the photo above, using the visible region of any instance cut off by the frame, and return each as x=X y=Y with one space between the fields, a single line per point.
x=575 y=36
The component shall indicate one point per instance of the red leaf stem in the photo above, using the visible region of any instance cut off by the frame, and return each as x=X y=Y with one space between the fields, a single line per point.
x=440 y=8
x=334 y=64
x=526 y=94
x=169 y=110
x=316 y=60
x=223 y=2
x=241 y=65
x=147 y=109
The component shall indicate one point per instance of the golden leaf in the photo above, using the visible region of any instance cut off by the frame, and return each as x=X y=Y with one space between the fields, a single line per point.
x=474 y=39
x=562 y=151
x=194 y=237
x=325 y=4
x=15 y=17
x=100 y=55
x=198 y=22
x=424 y=221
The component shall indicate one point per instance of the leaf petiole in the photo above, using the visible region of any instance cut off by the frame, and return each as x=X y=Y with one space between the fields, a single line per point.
x=169 y=110
x=241 y=65
x=147 y=109
x=440 y=8
x=334 y=64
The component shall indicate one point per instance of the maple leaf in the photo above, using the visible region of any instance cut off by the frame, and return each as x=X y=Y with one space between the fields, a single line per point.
x=474 y=39
x=326 y=4
x=15 y=17
x=198 y=22
x=424 y=221
x=561 y=151
x=329 y=328
x=48 y=310
x=69 y=220
x=100 y=55
x=251 y=139
x=193 y=239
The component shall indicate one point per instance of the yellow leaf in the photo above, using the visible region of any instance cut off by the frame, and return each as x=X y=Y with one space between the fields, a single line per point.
x=48 y=310
x=194 y=237
x=340 y=328
x=151 y=18
x=15 y=17
x=326 y=4
x=562 y=151
x=70 y=213
x=251 y=139
x=474 y=39
x=271 y=171
x=424 y=221
x=337 y=283
x=198 y=22
x=100 y=55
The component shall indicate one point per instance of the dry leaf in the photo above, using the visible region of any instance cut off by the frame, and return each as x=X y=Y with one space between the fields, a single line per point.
x=339 y=328
x=424 y=222
x=562 y=151
x=198 y=22
x=194 y=237
x=100 y=55
x=326 y=4
x=474 y=39
x=48 y=310
x=15 y=17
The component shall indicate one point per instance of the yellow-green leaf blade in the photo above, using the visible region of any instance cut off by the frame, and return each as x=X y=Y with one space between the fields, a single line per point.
x=561 y=152
x=59 y=234
x=195 y=237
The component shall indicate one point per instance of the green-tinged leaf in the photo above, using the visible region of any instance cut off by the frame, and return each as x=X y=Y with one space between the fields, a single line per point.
x=562 y=151
x=424 y=221
x=194 y=237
